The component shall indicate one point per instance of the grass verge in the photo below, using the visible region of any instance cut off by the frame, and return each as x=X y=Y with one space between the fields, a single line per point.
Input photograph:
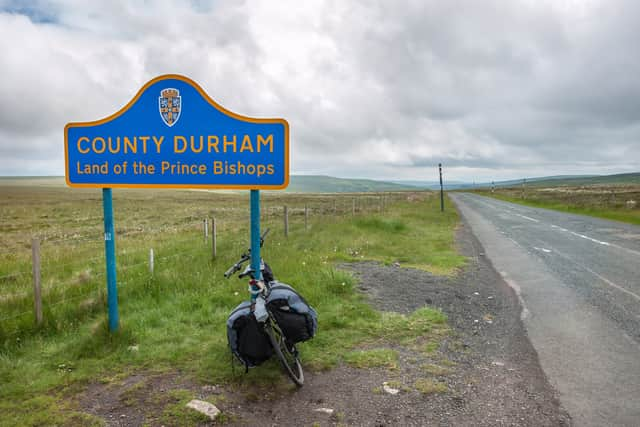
x=175 y=319
x=572 y=202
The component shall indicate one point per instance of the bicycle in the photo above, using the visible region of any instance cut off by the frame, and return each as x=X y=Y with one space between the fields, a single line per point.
x=284 y=349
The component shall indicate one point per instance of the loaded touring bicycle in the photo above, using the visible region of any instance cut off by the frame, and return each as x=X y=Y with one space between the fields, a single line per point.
x=272 y=322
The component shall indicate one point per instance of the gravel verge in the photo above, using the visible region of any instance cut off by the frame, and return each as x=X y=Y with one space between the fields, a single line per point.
x=492 y=375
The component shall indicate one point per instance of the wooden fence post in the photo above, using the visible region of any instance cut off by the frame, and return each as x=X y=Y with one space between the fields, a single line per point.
x=37 y=294
x=205 y=224
x=214 y=238
x=306 y=218
x=286 y=222
x=151 y=261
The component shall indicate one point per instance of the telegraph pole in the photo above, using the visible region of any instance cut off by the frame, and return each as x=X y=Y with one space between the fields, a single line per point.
x=441 y=189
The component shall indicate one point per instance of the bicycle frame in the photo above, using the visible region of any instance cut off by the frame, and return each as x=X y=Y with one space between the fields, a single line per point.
x=286 y=352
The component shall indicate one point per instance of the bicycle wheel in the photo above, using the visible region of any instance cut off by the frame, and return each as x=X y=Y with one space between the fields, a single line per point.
x=287 y=353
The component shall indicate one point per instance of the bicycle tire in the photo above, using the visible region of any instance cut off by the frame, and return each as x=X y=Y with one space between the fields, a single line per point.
x=288 y=355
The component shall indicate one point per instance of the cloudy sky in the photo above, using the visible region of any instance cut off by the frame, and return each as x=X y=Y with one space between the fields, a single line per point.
x=375 y=89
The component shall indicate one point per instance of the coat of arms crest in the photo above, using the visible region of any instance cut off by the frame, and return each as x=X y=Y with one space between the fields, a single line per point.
x=169 y=104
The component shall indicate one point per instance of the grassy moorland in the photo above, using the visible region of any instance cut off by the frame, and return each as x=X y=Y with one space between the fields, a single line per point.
x=174 y=319
x=329 y=184
x=615 y=202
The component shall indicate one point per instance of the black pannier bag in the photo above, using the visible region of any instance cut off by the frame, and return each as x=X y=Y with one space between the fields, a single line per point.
x=297 y=319
x=247 y=339
x=267 y=273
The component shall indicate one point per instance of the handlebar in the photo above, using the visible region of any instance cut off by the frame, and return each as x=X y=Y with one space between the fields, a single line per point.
x=262 y=237
x=244 y=257
x=237 y=266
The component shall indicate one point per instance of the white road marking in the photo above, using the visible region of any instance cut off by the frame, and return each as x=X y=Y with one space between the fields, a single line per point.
x=545 y=250
x=582 y=236
x=613 y=245
x=589 y=238
x=527 y=218
x=516 y=243
x=557 y=227
x=516 y=288
x=599 y=276
x=484 y=202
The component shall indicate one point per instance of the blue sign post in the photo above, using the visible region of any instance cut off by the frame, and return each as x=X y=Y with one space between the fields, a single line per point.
x=255 y=233
x=173 y=135
x=110 y=252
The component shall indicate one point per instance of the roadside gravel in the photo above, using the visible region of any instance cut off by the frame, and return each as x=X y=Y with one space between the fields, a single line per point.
x=490 y=369
x=496 y=378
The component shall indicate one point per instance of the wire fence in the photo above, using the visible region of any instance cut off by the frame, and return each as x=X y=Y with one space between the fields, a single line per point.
x=70 y=269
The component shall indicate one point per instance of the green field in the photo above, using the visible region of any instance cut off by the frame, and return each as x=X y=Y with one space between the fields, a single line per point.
x=297 y=184
x=329 y=184
x=603 y=180
x=175 y=317
x=615 y=202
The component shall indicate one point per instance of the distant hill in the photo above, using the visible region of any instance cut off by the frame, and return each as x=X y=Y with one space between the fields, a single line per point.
x=297 y=184
x=624 y=178
x=329 y=184
x=49 y=181
x=432 y=185
x=565 y=180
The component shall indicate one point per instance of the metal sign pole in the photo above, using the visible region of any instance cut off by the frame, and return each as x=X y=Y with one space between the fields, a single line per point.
x=110 y=252
x=255 y=233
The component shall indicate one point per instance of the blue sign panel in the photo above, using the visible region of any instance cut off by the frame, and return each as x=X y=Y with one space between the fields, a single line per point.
x=173 y=135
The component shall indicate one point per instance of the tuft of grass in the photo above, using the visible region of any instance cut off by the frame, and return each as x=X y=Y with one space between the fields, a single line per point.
x=406 y=330
x=427 y=386
x=447 y=362
x=50 y=410
x=430 y=348
x=434 y=369
x=374 y=358
x=384 y=224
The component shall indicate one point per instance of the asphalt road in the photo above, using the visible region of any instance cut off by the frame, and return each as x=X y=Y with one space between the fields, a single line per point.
x=578 y=279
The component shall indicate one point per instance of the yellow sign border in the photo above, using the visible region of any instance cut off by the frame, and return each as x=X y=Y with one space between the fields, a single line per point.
x=184 y=186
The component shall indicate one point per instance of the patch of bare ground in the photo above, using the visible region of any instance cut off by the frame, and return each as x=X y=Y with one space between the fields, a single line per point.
x=135 y=400
x=482 y=372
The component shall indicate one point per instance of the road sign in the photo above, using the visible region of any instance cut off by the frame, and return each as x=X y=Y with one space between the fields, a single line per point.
x=173 y=135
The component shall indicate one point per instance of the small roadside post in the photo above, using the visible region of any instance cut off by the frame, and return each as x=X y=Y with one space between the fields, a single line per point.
x=286 y=221
x=173 y=135
x=214 y=238
x=306 y=217
x=441 y=189
x=37 y=288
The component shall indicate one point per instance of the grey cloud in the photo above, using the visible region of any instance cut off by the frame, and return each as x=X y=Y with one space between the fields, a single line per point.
x=375 y=89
